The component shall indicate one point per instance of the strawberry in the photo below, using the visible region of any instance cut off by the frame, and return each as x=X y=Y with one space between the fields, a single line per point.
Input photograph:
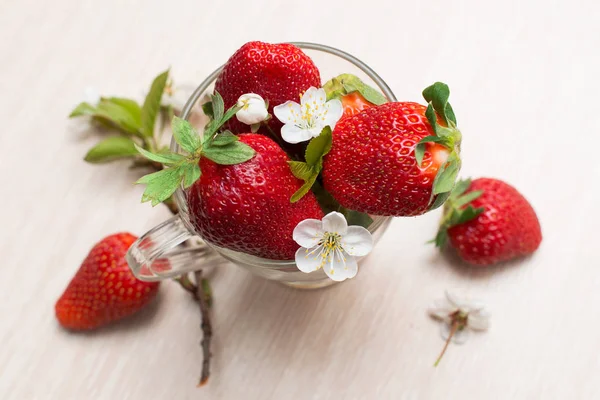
x=395 y=159
x=488 y=221
x=246 y=207
x=103 y=289
x=277 y=72
x=354 y=94
x=238 y=187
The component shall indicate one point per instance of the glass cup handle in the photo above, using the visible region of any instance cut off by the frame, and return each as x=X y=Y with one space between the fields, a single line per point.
x=163 y=252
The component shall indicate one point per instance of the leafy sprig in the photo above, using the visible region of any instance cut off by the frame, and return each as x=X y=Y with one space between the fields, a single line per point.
x=441 y=117
x=134 y=122
x=184 y=169
x=458 y=210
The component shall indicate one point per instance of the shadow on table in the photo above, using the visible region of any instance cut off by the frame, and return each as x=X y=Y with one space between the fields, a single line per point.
x=287 y=325
x=448 y=256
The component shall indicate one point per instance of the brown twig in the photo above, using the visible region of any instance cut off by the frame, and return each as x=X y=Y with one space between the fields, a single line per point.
x=202 y=299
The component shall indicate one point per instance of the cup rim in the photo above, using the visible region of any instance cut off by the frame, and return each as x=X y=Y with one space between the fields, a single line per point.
x=380 y=222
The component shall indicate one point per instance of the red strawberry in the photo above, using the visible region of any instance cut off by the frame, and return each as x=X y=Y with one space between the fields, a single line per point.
x=354 y=103
x=488 y=221
x=277 y=72
x=103 y=289
x=246 y=207
x=374 y=163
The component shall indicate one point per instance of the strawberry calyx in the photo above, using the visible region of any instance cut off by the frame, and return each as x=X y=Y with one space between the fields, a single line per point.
x=441 y=117
x=183 y=169
x=458 y=210
x=344 y=84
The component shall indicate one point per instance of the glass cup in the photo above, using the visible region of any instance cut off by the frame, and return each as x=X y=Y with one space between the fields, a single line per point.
x=174 y=248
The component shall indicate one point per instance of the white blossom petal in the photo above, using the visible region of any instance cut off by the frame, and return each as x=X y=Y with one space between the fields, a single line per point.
x=294 y=134
x=334 y=111
x=288 y=113
x=479 y=320
x=335 y=222
x=357 y=241
x=441 y=310
x=459 y=337
x=308 y=233
x=309 y=260
x=313 y=96
x=341 y=266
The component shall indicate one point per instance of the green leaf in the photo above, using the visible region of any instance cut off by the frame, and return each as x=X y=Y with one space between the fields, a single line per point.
x=152 y=104
x=438 y=94
x=192 y=174
x=334 y=88
x=118 y=115
x=162 y=184
x=207 y=109
x=347 y=83
x=132 y=107
x=229 y=113
x=450 y=113
x=440 y=199
x=230 y=154
x=185 y=134
x=223 y=139
x=460 y=187
x=83 y=109
x=218 y=106
x=466 y=215
x=163 y=158
x=444 y=180
x=301 y=170
x=441 y=238
x=304 y=188
x=357 y=218
x=432 y=118
x=467 y=198
x=318 y=147
x=110 y=149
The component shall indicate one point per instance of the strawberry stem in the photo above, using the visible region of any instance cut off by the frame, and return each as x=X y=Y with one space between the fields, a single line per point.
x=453 y=328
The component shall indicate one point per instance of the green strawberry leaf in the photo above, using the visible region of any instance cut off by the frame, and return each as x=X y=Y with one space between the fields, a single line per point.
x=230 y=154
x=83 y=109
x=460 y=187
x=218 y=106
x=304 y=189
x=440 y=199
x=152 y=104
x=110 y=149
x=223 y=139
x=450 y=114
x=467 y=198
x=438 y=95
x=465 y=215
x=163 y=158
x=301 y=170
x=185 y=134
x=162 y=184
x=347 y=83
x=132 y=107
x=319 y=147
x=207 y=109
x=118 y=115
x=444 y=180
x=192 y=174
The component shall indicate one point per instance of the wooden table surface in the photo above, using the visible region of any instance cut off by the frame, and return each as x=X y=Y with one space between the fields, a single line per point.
x=525 y=89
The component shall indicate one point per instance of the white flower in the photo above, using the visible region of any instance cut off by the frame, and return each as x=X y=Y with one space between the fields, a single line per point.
x=306 y=120
x=254 y=109
x=91 y=96
x=332 y=245
x=177 y=96
x=459 y=315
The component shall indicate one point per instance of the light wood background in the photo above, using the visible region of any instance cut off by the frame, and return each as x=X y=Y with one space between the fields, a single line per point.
x=524 y=80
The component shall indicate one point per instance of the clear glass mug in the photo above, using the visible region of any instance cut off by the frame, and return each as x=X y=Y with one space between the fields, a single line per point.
x=174 y=248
